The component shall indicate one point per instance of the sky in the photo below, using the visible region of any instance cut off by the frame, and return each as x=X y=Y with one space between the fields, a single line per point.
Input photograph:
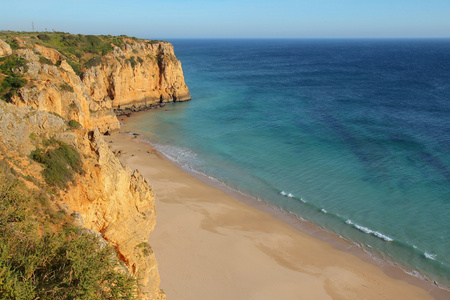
x=233 y=18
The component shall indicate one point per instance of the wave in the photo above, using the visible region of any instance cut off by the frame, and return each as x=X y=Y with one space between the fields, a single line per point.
x=182 y=156
x=186 y=158
x=430 y=256
x=370 y=231
x=289 y=195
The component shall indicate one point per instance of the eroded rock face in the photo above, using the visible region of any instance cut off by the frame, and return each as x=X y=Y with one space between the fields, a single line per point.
x=119 y=204
x=139 y=75
x=48 y=53
x=5 y=49
x=59 y=90
x=106 y=198
x=18 y=126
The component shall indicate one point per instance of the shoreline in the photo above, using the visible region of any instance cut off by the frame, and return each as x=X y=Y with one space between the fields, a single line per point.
x=301 y=227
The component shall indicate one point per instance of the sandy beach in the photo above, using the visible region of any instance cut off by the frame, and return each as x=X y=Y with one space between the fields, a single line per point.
x=210 y=245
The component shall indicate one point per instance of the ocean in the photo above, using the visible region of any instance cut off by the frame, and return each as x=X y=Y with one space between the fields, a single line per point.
x=351 y=135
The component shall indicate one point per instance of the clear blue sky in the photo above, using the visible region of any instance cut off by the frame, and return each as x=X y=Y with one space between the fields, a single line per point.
x=233 y=18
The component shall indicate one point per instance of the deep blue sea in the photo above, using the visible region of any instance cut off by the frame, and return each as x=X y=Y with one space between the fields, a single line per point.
x=352 y=135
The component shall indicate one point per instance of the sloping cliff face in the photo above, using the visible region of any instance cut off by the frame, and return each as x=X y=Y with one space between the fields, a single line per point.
x=136 y=75
x=112 y=200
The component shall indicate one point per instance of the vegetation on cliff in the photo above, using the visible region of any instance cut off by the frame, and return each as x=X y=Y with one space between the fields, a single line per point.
x=63 y=193
x=80 y=51
x=45 y=252
x=87 y=78
x=44 y=256
x=61 y=161
x=11 y=70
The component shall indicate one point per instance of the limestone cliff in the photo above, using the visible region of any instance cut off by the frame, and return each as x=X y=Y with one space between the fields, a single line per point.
x=119 y=204
x=86 y=80
x=138 y=74
x=111 y=200
x=133 y=74
x=59 y=90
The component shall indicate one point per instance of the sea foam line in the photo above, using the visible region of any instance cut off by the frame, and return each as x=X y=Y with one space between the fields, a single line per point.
x=289 y=195
x=430 y=256
x=370 y=231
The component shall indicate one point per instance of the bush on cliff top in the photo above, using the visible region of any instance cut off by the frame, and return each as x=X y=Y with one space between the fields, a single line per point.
x=13 y=80
x=38 y=263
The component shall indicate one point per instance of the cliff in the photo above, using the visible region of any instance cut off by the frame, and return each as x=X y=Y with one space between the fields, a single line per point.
x=69 y=96
x=104 y=197
x=138 y=75
x=110 y=74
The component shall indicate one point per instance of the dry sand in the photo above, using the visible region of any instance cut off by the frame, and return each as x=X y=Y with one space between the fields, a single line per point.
x=210 y=245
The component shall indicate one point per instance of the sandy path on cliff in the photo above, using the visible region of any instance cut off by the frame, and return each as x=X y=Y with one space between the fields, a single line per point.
x=209 y=245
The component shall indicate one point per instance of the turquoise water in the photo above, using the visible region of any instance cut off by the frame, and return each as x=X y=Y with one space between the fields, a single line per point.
x=353 y=135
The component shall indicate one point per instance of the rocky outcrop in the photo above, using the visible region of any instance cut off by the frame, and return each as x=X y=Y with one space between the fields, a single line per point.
x=119 y=204
x=138 y=75
x=5 y=49
x=106 y=198
x=59 y=90
x=18 y=127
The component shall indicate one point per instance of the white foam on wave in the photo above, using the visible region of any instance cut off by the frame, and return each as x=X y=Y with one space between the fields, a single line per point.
x=382 y=236
x=289 y=195
x=303 y=200
x=430 y=256
x=182 y=156
x=324 y=211
x=363 y=229
x=370 y=231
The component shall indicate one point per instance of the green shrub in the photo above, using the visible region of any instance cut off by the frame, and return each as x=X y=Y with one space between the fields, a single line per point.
x=13 y=80
x=66 y=87
x=43 y=37
x=93 y=62
x=36 y=263
x=145 y=248
x=75 y=66
x=132 y=61
x=14 y=44
x=10 y=85
x=93 y=40
x=60 y=163
x=10 y=63
x=74 y=124
x=44 y=60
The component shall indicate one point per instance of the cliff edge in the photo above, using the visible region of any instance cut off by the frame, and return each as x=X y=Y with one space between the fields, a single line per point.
x=90 y=79
x=103 y=196
x=57 y=99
